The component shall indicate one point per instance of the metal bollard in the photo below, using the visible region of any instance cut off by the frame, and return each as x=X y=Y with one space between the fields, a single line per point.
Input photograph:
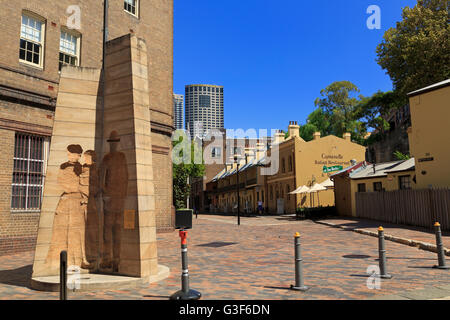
x=185 y=293
x=440 y=247
x=382 y=254
x=299 y=286
x=63 y=275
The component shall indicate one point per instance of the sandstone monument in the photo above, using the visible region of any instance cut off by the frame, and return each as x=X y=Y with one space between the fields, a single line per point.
x=99 y=200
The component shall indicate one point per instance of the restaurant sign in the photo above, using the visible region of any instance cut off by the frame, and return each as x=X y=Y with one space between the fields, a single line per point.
x=332 y=169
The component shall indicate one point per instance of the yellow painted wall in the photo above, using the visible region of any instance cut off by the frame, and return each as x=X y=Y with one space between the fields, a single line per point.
x=430 y=136
x=309 y=159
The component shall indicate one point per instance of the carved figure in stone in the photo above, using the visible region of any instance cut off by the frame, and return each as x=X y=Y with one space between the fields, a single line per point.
x=114 y=183
x=89 y=189
x=69 y=222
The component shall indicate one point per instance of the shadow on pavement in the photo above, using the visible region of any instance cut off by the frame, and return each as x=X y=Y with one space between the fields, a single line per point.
x=19 y=277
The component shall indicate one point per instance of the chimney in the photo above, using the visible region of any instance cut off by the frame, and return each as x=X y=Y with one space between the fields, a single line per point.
x=260 y=150
x=347 y=136
x=279 y=137
x=294 y=129
x=249 y=154
x=316 y=135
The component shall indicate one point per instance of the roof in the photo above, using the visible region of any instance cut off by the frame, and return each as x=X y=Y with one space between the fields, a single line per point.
x=382 y=169
x=350 y=169
x=430 y=88
x=404 y=166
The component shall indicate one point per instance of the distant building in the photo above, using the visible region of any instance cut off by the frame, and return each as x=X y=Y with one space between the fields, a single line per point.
x=178 y=101
x=203 y=108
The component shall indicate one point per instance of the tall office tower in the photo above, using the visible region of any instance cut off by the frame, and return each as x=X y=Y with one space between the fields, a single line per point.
x=204 y=108
x=178 y=100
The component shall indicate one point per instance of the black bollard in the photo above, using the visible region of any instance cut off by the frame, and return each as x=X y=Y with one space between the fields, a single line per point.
x=440 y=248
x=299 y=286
x=382 y=254
x=63 y=275
x=185 y=293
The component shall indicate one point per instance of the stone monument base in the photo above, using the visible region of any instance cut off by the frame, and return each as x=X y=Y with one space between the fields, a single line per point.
x=95 y=282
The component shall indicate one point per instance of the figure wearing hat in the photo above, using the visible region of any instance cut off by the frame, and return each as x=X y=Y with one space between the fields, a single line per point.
x=114 y=183
x=69 y=224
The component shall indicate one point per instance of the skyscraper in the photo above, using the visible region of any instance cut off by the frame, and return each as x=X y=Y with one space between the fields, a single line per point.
x=178 y=100
x=204 y=108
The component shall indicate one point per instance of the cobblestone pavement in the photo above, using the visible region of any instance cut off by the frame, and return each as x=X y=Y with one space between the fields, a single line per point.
x=255 y=261
x=407 y=232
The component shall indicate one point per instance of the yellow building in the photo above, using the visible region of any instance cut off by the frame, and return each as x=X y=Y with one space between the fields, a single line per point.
x=429 y=135
x=304 y=163
x=366 y=177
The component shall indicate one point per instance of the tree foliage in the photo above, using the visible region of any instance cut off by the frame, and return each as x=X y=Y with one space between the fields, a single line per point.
x=338 y=111
x=183 y=171
x=416 y=53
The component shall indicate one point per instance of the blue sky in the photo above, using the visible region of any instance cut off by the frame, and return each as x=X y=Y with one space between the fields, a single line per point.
x=274 y=57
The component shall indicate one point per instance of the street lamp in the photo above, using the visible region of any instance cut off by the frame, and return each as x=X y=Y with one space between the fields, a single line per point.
x=236 y=159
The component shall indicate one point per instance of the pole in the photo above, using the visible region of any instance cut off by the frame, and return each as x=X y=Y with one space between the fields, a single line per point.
x=440 y=247
x=185 y=293
x=63 y=275
x=299 y=286
x=238 y=202
x=382 y=254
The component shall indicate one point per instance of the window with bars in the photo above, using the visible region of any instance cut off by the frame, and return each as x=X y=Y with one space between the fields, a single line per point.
x=131 y=6
x=31 y=40
x=28 y=172
x=68 y=49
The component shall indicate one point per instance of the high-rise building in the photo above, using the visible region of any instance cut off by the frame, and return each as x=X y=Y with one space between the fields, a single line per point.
x=204 y=108
x=178 y=100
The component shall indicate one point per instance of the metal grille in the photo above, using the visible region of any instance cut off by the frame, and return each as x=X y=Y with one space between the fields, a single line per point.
x=28 y=172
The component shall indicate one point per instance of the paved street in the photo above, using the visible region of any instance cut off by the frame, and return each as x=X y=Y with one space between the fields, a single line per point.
x=255 y=261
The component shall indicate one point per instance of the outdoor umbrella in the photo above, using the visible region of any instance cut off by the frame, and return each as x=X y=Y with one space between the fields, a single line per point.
x=327 y=183
x=302 y=189
x=316 y=188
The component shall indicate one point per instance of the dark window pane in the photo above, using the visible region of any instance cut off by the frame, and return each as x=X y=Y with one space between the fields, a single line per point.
x=22 y=54
x=36 y=58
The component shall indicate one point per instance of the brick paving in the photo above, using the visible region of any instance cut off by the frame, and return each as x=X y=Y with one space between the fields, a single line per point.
x=401 y=231
x=256 y=262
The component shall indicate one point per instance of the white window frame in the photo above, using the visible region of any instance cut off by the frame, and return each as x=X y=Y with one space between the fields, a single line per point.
x=34 y=16
x=137 y=8
x=27 y=184
x=77 y=35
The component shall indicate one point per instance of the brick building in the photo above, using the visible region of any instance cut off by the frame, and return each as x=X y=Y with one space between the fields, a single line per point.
x=36 y=40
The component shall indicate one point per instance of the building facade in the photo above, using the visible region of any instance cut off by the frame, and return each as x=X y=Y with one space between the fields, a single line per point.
x=294 y=162
x=178 y=104
x=204 y=109
x=304 y=163
x=38 y=37
x=367 y=177
x=428 y=134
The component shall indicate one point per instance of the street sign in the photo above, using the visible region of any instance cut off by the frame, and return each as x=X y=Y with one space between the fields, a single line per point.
x=332 y=169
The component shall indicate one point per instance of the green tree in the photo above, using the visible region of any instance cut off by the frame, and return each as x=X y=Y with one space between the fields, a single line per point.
x=416 y=53
x=183 y=171
x=339 y=105
x=373 y=110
